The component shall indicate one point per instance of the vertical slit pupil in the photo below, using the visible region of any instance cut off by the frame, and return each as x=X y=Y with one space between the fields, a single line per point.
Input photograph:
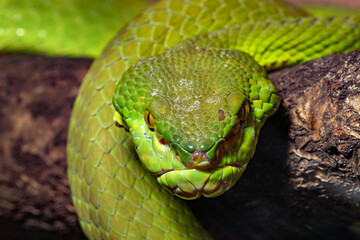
x=149 y=119
x=244 y=111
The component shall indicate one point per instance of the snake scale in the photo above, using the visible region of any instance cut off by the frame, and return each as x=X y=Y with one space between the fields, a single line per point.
x=186 y=83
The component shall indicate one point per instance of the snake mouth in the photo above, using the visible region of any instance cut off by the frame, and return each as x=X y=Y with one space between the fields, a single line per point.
x=239 y=166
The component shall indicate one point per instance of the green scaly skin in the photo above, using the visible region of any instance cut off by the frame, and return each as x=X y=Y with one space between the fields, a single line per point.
x=70 y=28
x=153 y=65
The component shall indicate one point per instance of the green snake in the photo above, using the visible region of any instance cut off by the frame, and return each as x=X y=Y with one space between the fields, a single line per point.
x=186 y=84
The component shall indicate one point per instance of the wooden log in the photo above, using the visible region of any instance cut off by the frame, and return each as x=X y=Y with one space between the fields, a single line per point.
x=322 y=99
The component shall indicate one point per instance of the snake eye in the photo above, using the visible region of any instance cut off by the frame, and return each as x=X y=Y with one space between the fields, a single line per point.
x=244 y=111
x=149 y=119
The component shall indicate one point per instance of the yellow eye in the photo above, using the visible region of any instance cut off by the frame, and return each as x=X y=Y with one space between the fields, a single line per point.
x=244 y=111
x=149 y=119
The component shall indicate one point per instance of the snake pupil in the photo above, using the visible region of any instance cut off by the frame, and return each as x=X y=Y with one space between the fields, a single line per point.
x=149 y=119
x=244 y=111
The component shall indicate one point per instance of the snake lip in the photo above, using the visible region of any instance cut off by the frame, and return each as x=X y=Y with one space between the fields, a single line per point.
x=159 y=174
x=235 y=165
x=239 y=166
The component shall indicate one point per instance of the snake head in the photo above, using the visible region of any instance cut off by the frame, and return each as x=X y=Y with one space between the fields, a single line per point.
x=194 y=116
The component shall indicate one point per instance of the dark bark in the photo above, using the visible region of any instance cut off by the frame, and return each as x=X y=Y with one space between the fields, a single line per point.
x=36 y=98
x=322 y=99
x=302 y=181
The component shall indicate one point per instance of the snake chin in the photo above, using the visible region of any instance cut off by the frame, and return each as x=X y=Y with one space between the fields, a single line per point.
x=192 y=183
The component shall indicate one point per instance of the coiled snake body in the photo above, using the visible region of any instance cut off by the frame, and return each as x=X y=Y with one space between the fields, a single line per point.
x=186 y=83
